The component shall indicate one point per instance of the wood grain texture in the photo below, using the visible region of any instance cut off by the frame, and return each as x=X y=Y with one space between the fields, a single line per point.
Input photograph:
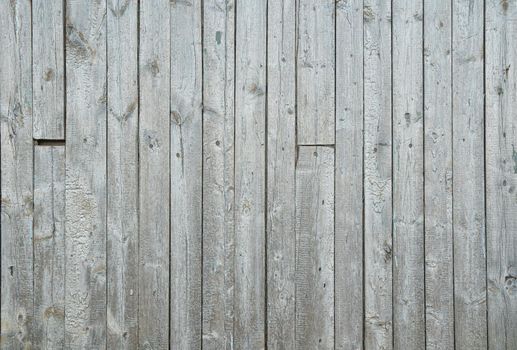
x=348 y=254
x=250 y=174
x=501 y=173
x=315 y=247
x=154 y=174
x=408 y=180
x=468 y=178
x=186 y=174
x=315 y=72
x=377 y=176
x=49 y=247
x=122 y=174
x=439 y=289
x=85 y=185
x=48 y=69
x=218 y=173
x=17 y=303
x=281 y=157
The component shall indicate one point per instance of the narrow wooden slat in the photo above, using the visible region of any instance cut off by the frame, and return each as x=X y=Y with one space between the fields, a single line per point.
x=85 y=184
x=16 y=175
x=349 y=291
x=439 y=291
x=377 y=176
x=218 y=173
x=122 y=174
x=154 y=174
x=250 y=171
x=49 y=247
x=281 y=156
x=186 y=174
x=408 y=179
x=48 y=69
x=315 y=72
x=315 y=248
x=468 y=178
x=501 y=172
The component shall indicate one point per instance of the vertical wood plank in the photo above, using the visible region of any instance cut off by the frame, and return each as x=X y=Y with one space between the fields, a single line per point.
x=281 y=157
x=154 y=177
x=439 y=291
x=315 y=248
x=16 y=175
x=468 y=179
x=408 y=170
x=315 y=72
x=48 y=69
x=218 y=173
x=49 y=247
x=85 y=185
x=377 y=175
x=349 y=291
x=122 y=174
x=250 y=171
x=186 y=174
x=501 y=172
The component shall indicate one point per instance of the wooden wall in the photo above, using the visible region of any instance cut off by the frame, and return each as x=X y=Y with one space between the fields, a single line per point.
x=252 y=174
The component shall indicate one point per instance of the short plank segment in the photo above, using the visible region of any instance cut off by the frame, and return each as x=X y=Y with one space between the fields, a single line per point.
x=315 y=72
x=16 y=175
x=468 y=178
x=439 y=290
x=349 y=176
x=218 y=173
x=154 y=174
x=186 y=174
x=408 y=170
x=49 y=247
x=122 y=174
x=48 y=69
x=85 y=188
x=377 y=176
x=501 y=172
x=315 y=248
x=281 y=157
x=250 y=174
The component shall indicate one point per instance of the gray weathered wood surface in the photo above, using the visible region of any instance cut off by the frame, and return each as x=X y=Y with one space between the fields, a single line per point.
x=122 y=174
x=85 y=180
x=408 y=168
x=154 y=186
x=258 y=174
x=439 y=288
x=49 y=247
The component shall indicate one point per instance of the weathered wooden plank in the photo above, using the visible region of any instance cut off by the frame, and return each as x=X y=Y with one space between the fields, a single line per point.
x=408 y=179
x=49 y=247
x=16 y=175
x=468 y=179
x=349 y=291
x=250 y=172
x=154 y=177
x=218 y=173
x=377 y=176
x=281 y=157
x=48 y=69
x=186 y=174
x=315 y=247
x=122 y=174
x=501 y=172
x=316 y=72
x=85 y=185
x=439 y=290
